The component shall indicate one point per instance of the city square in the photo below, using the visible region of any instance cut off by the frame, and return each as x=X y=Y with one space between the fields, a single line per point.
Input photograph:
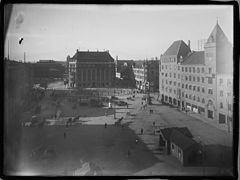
x=135 y=95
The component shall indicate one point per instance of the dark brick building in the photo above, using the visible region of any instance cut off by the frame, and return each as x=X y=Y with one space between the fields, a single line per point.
x=91 y=69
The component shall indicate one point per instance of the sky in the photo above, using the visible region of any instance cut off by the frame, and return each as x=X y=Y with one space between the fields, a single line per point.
x=135 y=32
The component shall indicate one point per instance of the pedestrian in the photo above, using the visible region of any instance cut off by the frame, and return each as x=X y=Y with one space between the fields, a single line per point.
x=136 y=141
x=142 y=131
x=153 y=123
x=64 y=135
x=105 y=125
x=128 y=153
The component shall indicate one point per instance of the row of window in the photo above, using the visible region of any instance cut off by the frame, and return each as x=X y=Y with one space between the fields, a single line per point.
x=188 y=69
x=193 y=97
x=221 y=82
x=190 y=87
x=229 y=106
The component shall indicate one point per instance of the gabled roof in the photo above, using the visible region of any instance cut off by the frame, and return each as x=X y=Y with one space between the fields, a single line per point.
x=166 y=132
x=194 y=58
x=93 y=56
x=178 y=48
x=181 y=140
x=217 y=35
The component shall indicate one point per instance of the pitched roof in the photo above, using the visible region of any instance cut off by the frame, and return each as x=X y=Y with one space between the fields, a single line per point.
x=194 y=58
x=178 y=48
x=217 y=35
x=181 y=140
x=93 y=56
x=166 y=132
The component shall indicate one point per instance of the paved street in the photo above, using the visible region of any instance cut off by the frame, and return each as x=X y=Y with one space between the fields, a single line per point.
x=92 y=143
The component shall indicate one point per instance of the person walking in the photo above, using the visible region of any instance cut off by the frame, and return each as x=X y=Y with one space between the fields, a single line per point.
x=141 y=131
x=154 y=123
x=105 y=125
x=128 y=153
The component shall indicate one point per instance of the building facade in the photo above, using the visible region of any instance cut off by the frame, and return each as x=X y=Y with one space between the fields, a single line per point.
x=91 y=69
x=146 y=74
x=200 y=81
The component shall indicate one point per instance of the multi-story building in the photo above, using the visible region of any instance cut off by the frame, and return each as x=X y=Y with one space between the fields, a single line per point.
x=146 y=74
x=200 y=81
x=89 y=69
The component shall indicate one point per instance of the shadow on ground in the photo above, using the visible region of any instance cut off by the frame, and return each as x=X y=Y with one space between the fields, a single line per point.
x=113 y=149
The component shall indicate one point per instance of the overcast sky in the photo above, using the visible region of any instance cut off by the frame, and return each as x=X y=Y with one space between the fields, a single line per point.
x=127 y=31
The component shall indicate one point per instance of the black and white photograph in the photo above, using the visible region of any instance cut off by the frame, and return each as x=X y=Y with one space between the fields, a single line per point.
x=118 y=90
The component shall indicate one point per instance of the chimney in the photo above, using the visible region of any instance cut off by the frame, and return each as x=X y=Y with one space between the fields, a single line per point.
x=189 y=44
x=77 y=50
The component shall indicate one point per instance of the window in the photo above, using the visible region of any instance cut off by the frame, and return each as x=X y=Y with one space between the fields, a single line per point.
x=202 y=69
x=185 y=69
x=174 y=83
x=198 y=70
x=166 y=81
x=209 y=70
x=186 y=78
x=162 y=66
x=222 y=118
x=210 y=91
x=198 y=89
x=178 y=67
x=221 y=93
x=178 y=84
x=193 y=69
x=229 y=82
x=193 y=78
x=165 y=66
x=190 y=96
x=210 y=80
x=202 y=79
x=221 y=105
x=229 y=107
x=186 y=86
x=182 y=69
x=190 y=78
x=203 y=90
x=220 y=81
x=186 y=96
x=182 y=94
x=194 y=88
x=189 y=69
x=174 y=91
x=170 y=90
x=178 y=76
x=203 y=100
x=190 y=87
x=198 y=99
x=170 y=82
x=194 y=97
x=198 y=79
x=170 y=74
x=174 y=75
x=182 y=85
